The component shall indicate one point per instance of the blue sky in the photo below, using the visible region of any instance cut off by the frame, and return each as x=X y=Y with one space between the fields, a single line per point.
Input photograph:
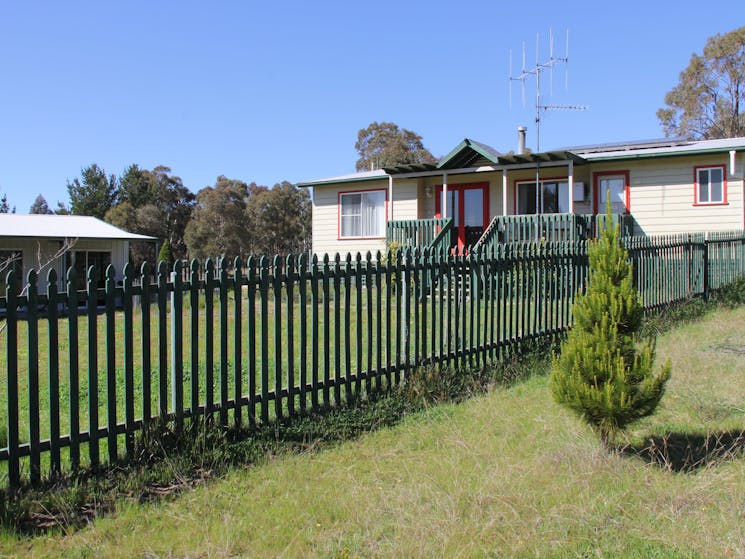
x=271 y=91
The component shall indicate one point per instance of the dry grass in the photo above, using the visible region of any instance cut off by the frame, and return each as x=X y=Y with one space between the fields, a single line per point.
x=509 y=474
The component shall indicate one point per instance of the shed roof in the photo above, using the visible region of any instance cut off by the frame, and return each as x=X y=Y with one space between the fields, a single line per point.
x=63 y=227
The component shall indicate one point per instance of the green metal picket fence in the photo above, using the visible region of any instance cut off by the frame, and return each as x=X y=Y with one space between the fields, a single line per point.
x=248 y=343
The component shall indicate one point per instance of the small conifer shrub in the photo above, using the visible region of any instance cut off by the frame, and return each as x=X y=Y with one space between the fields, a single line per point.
x=166 y=253
x=605 y=372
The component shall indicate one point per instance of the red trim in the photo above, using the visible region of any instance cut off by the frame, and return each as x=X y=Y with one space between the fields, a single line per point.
x=517 y=182
x=338 y=213
x=596 y=193
x=484 y=186
x=724 y=185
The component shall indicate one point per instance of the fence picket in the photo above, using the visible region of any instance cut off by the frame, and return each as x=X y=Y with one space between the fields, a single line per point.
x=111 y=419
x=11 y=320
x=73 y=379
x=54 y=396
x=129 y=385
x=33 y=377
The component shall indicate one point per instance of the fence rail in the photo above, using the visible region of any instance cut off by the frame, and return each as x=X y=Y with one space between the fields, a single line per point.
x=249 y=343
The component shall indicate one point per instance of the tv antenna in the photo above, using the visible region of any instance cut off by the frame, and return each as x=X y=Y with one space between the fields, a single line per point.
x=540 y=67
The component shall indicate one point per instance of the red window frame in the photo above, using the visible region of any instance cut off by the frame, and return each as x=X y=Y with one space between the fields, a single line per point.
x=596 y=188
x=698 y=168
x=338 y=213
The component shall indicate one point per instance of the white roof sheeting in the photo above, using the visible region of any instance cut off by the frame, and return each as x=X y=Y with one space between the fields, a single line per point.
x=63 y=227
x=663 y=148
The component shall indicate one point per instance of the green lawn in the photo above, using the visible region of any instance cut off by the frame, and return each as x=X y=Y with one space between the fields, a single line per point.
x=509 y=474
x=352 y=339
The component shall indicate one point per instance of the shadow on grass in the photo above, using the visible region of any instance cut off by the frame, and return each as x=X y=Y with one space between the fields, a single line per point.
x=688 y=452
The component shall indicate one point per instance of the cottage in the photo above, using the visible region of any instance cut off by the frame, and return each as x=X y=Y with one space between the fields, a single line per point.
x=476 y=193
x=42 y=242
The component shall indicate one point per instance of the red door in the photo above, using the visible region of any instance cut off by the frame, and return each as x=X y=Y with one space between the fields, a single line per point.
x=468 y=205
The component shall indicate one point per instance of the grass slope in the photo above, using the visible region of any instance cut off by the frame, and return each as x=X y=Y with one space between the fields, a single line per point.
x=509 y=474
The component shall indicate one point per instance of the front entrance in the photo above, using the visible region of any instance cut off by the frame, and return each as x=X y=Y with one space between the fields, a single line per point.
x=468 y=205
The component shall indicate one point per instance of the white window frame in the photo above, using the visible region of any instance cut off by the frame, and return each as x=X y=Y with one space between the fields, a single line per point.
x=698 y=171
x=562 y=189
x=381 y=218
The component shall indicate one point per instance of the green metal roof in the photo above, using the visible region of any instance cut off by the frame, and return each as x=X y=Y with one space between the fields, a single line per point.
x=469 y=153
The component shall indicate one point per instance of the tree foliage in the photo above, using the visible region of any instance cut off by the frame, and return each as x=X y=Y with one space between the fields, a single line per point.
x=40 y=206
x=384 y=144
x=153 y=203
x=709 y=100
x=218 y=226
x=5 y=206
x=94 y=193
x=605 y=372
x=280 y=219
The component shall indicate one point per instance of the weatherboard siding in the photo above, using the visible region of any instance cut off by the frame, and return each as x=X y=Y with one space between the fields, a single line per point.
x=326 y=220
x=662 y=196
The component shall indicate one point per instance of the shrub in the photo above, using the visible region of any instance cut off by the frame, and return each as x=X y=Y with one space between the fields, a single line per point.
x=166 y=253
x=604 y=372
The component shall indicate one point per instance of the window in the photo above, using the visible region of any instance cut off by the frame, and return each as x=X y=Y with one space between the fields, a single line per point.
x=711 y=186
x=553 y=197
x=362 y=214
x=612 y=186
x=81 y=260
x=11 y=260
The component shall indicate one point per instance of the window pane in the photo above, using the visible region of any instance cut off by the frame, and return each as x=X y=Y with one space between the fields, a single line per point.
x=350 y=204
x=550 y=198
x=453 y=210
x=350 y=226
x=373 y=214
x=616 y=188
x=563 y=197
x=473 y=207
x=526 y=198
x=703 y=185
x=715 y=185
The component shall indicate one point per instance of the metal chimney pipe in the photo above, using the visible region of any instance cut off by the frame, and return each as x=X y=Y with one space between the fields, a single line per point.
x=521 y=140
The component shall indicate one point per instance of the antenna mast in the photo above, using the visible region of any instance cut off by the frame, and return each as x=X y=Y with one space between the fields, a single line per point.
x=537 y=70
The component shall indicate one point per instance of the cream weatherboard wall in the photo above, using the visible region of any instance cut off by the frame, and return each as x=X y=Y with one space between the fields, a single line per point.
x=326 y=238
x=662 y=195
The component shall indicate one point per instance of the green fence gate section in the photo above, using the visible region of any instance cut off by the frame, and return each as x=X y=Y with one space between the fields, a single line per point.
x=247 y=343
